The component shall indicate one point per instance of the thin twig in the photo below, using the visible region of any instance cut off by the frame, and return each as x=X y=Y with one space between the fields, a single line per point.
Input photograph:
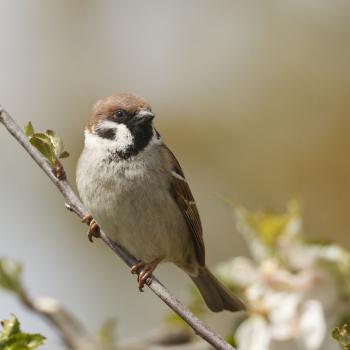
x=74 y=335
x=74 y=204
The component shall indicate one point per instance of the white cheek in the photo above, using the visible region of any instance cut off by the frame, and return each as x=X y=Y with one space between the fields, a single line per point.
x=122 y=141
x=123 y=137
x=93 y=141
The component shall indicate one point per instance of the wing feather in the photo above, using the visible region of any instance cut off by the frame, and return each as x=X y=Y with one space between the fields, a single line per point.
x=185 y=201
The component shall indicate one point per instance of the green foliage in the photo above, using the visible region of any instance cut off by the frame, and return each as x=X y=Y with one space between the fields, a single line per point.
x=10 y=277
x=231 y=340
x=12 y=338
x=48 y=144
x=106 y=335
x=28 y=129
x=268 y=227
x=342 y=336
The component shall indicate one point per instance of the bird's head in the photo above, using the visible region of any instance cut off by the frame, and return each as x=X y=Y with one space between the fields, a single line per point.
x=122 y=121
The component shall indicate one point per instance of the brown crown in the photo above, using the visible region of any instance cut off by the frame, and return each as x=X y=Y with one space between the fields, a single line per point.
x=106 y=106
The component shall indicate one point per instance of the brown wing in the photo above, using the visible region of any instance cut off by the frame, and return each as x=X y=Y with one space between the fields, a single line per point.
x=185 y=201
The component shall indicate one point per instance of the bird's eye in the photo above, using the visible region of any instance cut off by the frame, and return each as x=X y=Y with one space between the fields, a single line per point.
x=119 y=113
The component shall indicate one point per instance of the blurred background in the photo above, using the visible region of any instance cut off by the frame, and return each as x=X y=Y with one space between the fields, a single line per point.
x=252 y=97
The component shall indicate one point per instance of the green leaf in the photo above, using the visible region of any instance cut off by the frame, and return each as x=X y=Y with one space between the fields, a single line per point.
x=10 y=327
x=342 y=336
x=10 y=277
x=28 y=129
x=106 y=335
x=43 y=144
x=12 y=338
x=43 y=137
x=57 y=144
x=231 y=340
x=48 y=144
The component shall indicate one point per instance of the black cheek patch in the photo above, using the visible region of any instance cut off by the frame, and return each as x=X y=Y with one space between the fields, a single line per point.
x=142 y=135
x=106 y=133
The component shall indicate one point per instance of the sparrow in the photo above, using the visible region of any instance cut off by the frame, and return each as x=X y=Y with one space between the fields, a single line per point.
x=135 y=190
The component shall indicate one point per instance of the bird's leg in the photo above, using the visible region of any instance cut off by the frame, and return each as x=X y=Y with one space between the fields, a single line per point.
x=94 y=229
x=144 y=272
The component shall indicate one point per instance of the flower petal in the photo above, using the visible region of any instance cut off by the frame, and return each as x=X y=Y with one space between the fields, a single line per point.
x=312 y=325
x=243 y=271
x=253 y=334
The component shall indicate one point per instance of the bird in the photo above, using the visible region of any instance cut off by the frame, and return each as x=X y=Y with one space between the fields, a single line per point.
x=135 y=190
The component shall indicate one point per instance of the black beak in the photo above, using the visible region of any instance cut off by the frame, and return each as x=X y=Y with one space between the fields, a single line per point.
x=143 y=118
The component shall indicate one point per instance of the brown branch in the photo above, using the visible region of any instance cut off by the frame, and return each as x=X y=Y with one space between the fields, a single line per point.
x=74 y=204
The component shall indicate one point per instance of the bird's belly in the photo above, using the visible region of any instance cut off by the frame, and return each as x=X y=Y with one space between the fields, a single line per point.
x=143 y=218
x=149 y=226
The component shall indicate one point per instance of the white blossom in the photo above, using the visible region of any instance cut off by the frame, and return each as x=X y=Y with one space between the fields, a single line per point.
x=292 y=297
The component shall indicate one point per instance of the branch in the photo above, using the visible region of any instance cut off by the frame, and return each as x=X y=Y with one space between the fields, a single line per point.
x=74 y=204
x=73 y=333
x=71 y=330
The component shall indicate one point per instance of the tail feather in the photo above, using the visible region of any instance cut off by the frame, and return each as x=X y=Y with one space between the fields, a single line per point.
x=216 y=296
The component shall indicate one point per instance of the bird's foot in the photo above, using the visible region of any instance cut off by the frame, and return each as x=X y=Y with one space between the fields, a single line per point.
x=136 y=269
x=94 y=229
x=144 y=272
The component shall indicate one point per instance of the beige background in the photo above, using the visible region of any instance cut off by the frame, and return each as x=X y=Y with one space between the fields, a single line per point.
x=252 y=96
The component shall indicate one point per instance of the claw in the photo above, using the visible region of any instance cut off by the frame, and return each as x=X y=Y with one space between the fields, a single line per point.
x=94 y=229
x=87 y=219
x=144 y=272
x=135 y=269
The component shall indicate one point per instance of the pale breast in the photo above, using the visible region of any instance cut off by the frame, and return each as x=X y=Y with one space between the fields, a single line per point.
x=132 y=203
